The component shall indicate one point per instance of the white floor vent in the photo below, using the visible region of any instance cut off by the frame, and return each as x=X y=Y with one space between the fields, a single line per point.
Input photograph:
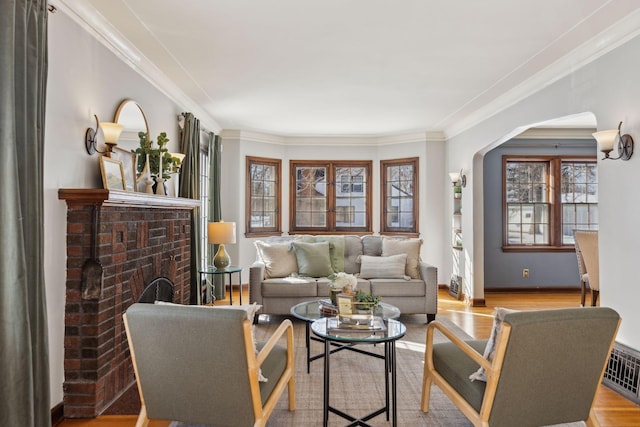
x=623 y=372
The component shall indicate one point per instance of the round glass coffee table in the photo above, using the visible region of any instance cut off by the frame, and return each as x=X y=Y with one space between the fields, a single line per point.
x=388 y=332
x=310 y=311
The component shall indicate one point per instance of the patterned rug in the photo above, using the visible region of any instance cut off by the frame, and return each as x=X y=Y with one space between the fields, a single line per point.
x=357 y=383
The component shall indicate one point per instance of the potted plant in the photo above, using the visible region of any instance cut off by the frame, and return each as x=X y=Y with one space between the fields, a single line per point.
x=368 y=301
x=457 y=192
x=155 y=154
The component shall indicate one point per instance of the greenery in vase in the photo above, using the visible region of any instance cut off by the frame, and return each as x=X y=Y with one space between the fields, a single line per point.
x=372 y=300
x=155 y=154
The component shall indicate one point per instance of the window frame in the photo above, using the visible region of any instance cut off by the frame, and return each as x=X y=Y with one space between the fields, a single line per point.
x=384 y=229
x=554 y=197
x=263 y=231
x=331 y=195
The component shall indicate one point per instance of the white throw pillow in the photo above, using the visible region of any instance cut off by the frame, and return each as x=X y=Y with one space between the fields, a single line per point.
x=411 y=247
x=383 y=267
x=490 y=349
x=278 y=259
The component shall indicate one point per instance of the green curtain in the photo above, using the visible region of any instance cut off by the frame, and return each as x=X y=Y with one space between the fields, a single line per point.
x=24 y=352
x=190 y=188
x=215 y=209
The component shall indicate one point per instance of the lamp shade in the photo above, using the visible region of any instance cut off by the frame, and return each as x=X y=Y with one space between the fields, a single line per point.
x=178 y=156
x=221 y=232
x=111 y=132
x=606 y=139
x=454 y=176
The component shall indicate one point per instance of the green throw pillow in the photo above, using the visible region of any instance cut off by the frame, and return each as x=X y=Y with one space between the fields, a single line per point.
x=336 y=249
x=313 y=259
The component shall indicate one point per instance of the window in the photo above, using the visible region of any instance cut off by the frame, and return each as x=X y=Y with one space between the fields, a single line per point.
x=539 y=214
x=263 y=196
x=330 y=196
x=399 y=196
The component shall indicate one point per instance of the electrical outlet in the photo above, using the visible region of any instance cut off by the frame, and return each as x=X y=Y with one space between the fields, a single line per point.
x=525 y=273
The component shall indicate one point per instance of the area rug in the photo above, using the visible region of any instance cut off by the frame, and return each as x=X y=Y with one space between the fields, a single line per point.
x=357 y=383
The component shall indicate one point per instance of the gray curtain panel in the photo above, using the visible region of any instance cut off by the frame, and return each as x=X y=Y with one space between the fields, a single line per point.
x=190 y=188
x=215 y=209
x=24 y=358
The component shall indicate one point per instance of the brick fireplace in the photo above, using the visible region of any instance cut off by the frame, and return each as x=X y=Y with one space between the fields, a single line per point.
x=139 y=237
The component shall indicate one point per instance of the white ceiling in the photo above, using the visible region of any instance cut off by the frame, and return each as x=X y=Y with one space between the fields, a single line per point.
x=354 y=67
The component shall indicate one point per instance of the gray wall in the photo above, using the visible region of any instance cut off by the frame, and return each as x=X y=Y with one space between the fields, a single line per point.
x=504 y=269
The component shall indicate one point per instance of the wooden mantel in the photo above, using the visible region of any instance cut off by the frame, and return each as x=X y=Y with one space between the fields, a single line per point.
x=84 y=196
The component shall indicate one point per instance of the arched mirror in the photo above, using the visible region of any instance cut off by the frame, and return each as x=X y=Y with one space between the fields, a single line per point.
x=130 y=115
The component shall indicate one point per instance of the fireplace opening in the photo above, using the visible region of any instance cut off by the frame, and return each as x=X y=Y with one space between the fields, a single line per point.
x=160 y=289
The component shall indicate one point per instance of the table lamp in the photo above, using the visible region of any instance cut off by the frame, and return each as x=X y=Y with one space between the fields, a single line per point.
x=220 y=233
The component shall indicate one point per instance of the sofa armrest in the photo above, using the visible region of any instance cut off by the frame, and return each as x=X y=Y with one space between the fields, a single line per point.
x=429 y=274
x=256 y=276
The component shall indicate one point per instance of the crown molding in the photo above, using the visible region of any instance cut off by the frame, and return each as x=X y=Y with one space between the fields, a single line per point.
x=89 y=19
x=557 y=133
x=325 y=141
x=599 y=45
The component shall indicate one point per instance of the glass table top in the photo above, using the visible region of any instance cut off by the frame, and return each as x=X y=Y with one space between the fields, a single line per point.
x=393 y=330
x=310 y=311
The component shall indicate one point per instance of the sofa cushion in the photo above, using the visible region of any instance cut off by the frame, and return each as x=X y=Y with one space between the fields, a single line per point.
x=372 y=245
x=278 y=259
x=313 y=259
x=411 y=247
x=383 y=267
x=397 y=287
x=352 y=251
x=336 y=249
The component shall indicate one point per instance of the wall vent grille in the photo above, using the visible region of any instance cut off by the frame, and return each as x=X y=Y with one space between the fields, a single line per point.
x=623 y=372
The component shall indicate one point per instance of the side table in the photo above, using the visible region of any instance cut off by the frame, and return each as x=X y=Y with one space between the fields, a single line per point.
x=229 y=271
x=395 y=330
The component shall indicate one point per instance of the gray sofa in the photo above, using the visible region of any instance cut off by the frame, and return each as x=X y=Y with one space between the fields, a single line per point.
x=276 y=283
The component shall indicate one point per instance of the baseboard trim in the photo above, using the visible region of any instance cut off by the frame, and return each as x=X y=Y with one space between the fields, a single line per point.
x=57 y=414
x=535 y=290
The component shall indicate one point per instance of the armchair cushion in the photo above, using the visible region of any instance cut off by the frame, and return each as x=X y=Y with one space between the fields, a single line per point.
x=313 y=259
x=454 y=366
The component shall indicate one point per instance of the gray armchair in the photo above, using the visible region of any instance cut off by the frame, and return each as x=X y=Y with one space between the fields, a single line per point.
x=199 y=365
x=546 y=370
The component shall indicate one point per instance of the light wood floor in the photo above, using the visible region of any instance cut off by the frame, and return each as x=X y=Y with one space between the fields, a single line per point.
x=612 y=410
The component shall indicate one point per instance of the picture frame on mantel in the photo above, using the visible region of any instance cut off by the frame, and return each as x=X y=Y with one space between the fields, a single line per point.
x=112 y=174
x=128 y=160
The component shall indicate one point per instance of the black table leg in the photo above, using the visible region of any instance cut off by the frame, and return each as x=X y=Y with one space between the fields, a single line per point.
x=394 y=409
x=325 y=405
x=308 y=343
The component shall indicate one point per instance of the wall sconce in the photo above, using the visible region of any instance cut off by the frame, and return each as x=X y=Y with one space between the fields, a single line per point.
x=606 y=140
x=458 y=179
x=219 y=233
x=110 y=131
